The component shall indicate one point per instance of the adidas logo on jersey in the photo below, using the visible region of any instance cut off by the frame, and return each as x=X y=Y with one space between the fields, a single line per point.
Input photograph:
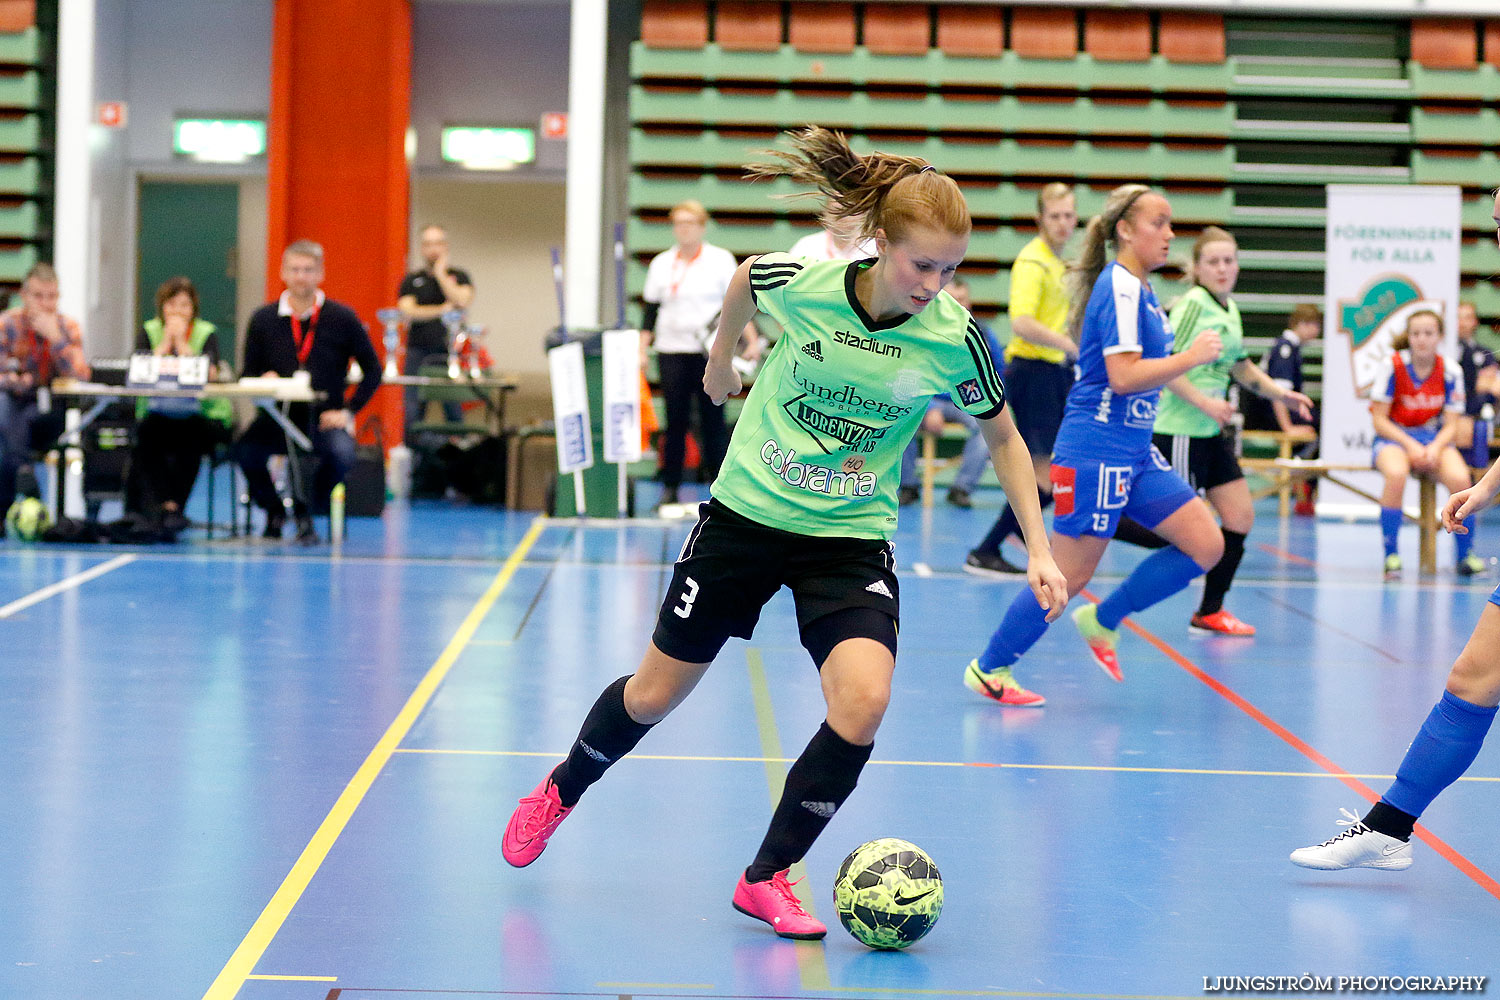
x=813 y=350
x=879 y=587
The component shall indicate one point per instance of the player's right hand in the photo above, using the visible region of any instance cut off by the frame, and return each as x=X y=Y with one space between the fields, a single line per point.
x=1206 y=347
x=720 y=382
x=1460 y=505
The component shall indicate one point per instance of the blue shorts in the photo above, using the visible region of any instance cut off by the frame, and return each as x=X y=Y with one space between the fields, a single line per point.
x=1421 y=435
x=1037 y=393
x=1090 y=496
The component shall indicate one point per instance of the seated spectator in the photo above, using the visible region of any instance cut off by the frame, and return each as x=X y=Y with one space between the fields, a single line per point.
x=1283 y=363
x=1415 y=404
x=305 y=331
x=942 y=410
x=1481 y=377
x=173 y=436
x=37 y=344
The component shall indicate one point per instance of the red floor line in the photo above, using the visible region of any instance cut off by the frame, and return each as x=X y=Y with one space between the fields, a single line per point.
x=1429 y=838
x=1281 y=553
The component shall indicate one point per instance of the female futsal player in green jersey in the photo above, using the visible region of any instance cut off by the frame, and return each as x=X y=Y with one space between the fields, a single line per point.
x=806 y=497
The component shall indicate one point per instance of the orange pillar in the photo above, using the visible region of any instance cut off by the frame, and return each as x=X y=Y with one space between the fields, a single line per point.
x=336 y=156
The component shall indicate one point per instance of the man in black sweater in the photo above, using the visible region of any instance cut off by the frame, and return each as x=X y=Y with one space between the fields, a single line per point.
x=304 y=330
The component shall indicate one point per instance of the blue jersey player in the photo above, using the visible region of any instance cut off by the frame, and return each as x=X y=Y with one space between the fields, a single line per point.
x=1103 y=464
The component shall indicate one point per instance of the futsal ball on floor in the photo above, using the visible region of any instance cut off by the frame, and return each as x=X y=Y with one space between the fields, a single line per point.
x=27 y=519
x=888 y=893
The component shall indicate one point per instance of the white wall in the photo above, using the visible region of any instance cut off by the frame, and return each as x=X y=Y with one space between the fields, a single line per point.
x=472 y=63
x=501 y=233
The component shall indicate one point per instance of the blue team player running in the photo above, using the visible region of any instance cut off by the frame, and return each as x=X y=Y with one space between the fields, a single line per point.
x=1104 y=465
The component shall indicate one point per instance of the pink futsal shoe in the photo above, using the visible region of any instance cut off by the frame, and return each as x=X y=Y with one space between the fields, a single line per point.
x=1101 y=641
x=774 y=902
x=532 y=824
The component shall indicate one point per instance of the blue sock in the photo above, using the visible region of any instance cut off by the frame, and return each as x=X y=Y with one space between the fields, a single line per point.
x=1390 y=527
x=1022 y=626
x=1463 y=543
x=1161 y=575
x=1444 y=748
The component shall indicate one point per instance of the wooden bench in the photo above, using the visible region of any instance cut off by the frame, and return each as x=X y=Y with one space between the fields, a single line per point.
x=950 y=442
x=1296 y=470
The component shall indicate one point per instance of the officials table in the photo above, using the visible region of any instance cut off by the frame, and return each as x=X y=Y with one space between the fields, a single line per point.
x=273 y=395
x=489 y=389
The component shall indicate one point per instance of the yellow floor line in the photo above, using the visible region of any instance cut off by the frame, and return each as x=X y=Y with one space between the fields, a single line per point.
x=811 y=962
x=238 y=969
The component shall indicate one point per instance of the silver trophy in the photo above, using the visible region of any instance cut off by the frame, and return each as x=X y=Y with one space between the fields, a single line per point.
x=453 y=321
x=391 y=320
x=475 y=334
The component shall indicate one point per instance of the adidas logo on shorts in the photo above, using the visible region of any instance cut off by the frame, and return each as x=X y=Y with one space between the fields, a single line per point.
x=813 y=350
x=879 y=587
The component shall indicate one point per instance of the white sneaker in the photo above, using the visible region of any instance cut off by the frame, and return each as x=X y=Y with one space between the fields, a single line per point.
x=1356 y=847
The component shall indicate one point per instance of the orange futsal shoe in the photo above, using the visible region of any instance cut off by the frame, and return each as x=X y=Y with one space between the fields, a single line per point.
x=1221 y=622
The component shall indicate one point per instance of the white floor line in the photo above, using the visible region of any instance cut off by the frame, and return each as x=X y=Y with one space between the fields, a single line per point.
x=76 y=580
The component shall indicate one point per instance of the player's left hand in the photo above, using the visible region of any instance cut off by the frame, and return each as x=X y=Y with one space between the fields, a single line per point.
x=1220 y=410
x=1298 y=402
x=720 y=382
x=1047 y=583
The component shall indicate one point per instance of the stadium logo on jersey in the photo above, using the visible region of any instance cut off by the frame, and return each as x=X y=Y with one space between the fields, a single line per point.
x=1063 y=495
x=832 y=432
x=813 y=350
x=969 y=391
x=870 y=344
x=847 y=396
x=815 y=478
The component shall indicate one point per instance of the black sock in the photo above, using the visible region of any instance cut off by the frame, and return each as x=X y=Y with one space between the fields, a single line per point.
x=1387 y=819
x=608 y=734
x=1216 y=582
x=1008 y=524
x=817 y=784
x=1135 y=533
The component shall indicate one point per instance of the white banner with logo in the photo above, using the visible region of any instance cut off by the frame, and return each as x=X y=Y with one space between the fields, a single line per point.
x=622 y=395
x=1391 y=251
x=570 y=408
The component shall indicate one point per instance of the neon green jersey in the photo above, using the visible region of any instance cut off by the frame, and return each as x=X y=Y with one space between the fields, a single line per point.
x=817 y=448
x=1191 y=315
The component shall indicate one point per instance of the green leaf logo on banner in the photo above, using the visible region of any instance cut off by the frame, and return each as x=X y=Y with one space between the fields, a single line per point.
x=1361 y=319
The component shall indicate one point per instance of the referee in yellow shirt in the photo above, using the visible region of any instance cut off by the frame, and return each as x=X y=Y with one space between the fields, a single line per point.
x=1038 y=360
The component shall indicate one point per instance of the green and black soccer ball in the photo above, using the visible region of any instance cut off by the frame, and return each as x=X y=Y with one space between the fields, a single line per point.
x=888 y=893
x=27 y=519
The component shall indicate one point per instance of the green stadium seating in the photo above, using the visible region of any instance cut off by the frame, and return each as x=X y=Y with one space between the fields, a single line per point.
x=20 y=135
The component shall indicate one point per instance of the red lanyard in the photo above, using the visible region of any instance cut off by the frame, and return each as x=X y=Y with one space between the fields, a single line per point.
x=676 y=276
x=304 y=346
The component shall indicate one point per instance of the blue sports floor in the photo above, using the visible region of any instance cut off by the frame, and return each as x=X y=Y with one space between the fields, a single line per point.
x=248 y=769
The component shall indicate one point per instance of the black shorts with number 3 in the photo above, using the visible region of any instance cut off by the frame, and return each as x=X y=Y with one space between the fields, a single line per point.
x=731 y=566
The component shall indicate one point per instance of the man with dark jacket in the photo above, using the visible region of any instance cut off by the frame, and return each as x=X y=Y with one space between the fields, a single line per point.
x=305 y=331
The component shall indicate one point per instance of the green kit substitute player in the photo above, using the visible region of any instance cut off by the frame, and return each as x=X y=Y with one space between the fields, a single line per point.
x=1195 y=410
x=806 y=497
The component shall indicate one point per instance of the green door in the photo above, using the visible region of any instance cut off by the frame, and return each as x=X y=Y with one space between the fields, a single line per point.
x=192 y=229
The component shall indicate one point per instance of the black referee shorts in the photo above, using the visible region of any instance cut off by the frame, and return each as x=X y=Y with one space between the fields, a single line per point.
x=1204 y=462
x=731 y=566
x=1037 y=393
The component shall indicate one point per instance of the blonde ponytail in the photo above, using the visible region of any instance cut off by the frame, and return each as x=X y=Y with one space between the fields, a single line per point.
x=1091 y=259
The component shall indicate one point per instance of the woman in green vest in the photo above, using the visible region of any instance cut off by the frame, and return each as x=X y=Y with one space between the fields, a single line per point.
x=1194 y=411
x=174 y=435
